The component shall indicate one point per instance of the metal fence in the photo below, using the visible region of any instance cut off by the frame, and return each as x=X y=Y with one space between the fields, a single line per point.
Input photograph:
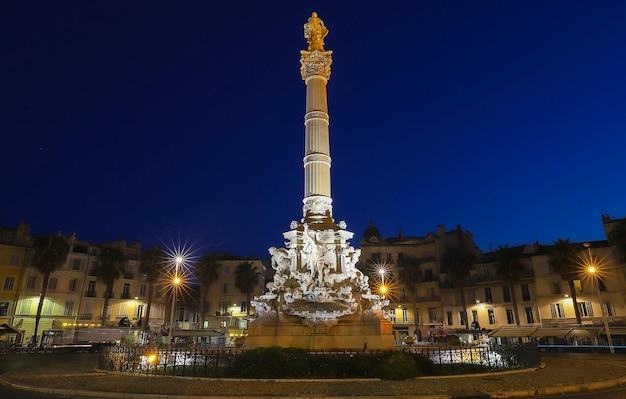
x=175 y=361
x=208 y=362
x=494 y=357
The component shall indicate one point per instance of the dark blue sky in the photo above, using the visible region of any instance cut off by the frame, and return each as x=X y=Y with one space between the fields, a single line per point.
x=151 y=121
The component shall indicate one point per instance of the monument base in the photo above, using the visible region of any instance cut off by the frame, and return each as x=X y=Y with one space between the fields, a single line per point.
x=349 y=333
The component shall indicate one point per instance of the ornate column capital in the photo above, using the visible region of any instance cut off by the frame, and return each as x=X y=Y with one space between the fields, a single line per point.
x=315 y=63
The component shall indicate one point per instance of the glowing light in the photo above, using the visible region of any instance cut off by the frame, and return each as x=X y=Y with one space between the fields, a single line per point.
x=152 y=358
x=591 y=269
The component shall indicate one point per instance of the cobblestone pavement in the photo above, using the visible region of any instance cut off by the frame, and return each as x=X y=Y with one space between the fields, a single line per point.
x=560 y=373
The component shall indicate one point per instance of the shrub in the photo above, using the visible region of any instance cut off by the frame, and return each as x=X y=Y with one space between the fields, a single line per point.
x=396 y=366
x=271 y=362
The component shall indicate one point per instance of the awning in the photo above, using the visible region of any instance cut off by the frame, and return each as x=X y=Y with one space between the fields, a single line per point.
x=585 y=332
x=551 y=332
x=8 y=329
x=513 y=332
x=196 y=333
x=616 y=330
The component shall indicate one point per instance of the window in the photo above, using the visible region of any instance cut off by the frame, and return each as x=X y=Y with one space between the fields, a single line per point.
x=510 y=319
x=389 y=257
x=601 y=285
x=492 y=316
x=4 y=308
x=157 y=292
x=403 y=295
x=608 y=309
x=14 y=260
x=586 y=310
x=48 y=306
x=432 y=314
x=488 y=297
x=525 y=292
x=556 y=288
x=475 y=315
x=405 y=315
x=9 y=283
x=126 y=291
x=428 y=274
x=244 y=307
x=223 y=309
x=139 y=311
x=30 y=283
x=449 y=317
x=392 y=316
x=486 y=274
x=142 y=290
x=52 y=283
x=76 y=264
x=225 y=288
x=226 y=269
x=25 y=306
x=400 y=256
x=529 y=315
x=73 y=285
x=506 y=293
x=68 y=309
x=463 y=318
x=91 y=289
x=418 y=316
x=557 y=310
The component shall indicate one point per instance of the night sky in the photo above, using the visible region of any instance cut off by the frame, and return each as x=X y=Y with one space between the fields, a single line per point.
x=159 y=122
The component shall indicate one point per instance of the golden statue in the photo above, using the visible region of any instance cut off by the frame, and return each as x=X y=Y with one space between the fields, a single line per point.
x=315 y=32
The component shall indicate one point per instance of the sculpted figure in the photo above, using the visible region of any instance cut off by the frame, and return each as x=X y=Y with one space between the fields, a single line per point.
x=280 y=258
x=314 y=32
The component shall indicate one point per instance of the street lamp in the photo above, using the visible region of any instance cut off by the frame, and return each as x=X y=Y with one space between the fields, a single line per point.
x=592 y=270
x=383 y=288
x=176 y=281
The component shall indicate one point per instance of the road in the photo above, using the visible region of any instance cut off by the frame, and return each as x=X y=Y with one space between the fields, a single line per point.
x=37 y=361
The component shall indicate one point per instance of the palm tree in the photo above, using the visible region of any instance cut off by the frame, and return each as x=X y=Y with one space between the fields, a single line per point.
x=563 y=262
x=246 y=278
x=112 y=265
x=617 y=238
x=510 y=268
x=456 y=263
x=152 y=267
x=410 y=274
x=50 y=253
x=206 y=273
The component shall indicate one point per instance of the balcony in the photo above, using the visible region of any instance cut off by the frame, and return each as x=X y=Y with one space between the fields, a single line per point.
x=85 y=316
x=90 y=294
x=126 y=295
x=129 y=276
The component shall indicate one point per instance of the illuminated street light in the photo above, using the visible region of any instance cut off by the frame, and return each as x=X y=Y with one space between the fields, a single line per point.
x=176 y=281
x=592 y=270
x=383 y=288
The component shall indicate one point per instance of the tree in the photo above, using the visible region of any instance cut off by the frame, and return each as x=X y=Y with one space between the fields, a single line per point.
x=617 y=238
x=563 y=262
x=152 y=267
x=49 y=254
x=112 y=264
x=206 y=273
x=246 y=278
x=410 y=274
x=510 y=268
x=456 y=263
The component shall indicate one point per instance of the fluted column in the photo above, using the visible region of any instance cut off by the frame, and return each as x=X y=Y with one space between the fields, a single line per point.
x=315 y=72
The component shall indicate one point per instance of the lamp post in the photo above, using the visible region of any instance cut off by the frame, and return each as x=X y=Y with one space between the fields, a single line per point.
x=176 y=280
x=592 y=269
x=383 y=288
